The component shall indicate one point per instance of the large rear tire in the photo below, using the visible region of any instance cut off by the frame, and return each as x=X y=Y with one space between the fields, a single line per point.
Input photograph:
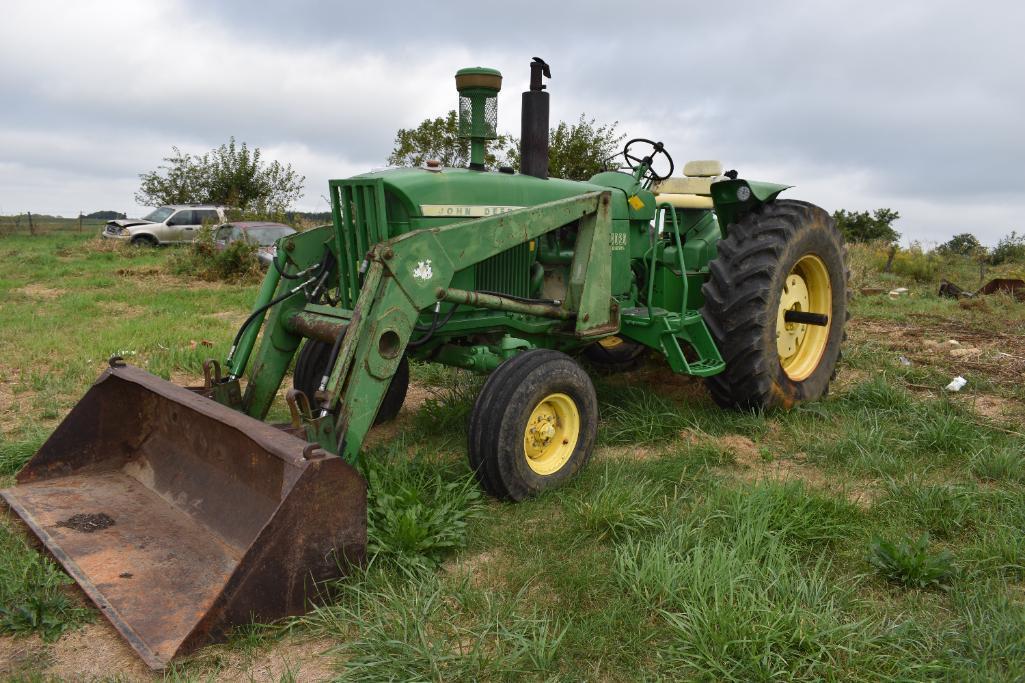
x=311 y=365
x=784 y=256
x=533 y=425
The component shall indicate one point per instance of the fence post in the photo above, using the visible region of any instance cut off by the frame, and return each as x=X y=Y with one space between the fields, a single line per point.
x=80 y=220
x=31 y=226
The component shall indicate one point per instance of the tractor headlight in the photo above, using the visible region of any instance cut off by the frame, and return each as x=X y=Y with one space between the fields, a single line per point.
x=743 y=193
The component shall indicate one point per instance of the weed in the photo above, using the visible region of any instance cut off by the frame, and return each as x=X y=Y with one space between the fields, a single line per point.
x=414 y=517
x=32 y=597
x=909 y=562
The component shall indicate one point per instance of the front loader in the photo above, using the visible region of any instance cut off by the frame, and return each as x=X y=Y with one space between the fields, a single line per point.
x=181 y=513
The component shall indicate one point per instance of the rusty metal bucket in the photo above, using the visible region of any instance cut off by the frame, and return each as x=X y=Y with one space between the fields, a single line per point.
x=181 y=518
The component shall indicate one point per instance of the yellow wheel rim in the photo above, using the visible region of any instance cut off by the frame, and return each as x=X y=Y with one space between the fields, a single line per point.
x=551 y=433
x=807 y=288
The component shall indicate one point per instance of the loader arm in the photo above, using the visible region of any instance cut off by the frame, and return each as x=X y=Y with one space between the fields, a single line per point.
x=412 y=272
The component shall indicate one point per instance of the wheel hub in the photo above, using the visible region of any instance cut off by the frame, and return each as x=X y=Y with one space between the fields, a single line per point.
x=794 y=298
x=808 y=289
x=551 y=432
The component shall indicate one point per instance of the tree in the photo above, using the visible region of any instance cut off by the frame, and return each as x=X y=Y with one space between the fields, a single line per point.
x=1010 y=249
x=233 y=175
x=439 y=139
x=576 y=151
x=862 y=226
x=964 y=244
x=105 y=215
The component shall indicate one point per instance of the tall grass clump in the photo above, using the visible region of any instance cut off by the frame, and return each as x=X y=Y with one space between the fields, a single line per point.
x=418 y=628
x=618 y=507
x=741 y=602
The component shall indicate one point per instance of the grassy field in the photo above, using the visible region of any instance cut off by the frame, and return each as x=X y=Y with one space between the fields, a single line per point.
x=876 y=535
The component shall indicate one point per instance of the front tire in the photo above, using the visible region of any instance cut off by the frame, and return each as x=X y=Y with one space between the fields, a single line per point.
x=533 y=425
x=784 y=256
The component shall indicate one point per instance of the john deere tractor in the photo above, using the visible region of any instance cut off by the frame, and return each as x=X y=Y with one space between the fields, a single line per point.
x=181 y=513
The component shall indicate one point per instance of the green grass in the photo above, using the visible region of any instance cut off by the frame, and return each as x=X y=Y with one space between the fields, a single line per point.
x=698 y=544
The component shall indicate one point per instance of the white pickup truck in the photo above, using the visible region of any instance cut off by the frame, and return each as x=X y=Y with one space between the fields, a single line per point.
x=172 y=224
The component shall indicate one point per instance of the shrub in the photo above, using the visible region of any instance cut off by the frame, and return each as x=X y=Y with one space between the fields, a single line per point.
x=202 y=259
x=916 y=263
x=1010 y=249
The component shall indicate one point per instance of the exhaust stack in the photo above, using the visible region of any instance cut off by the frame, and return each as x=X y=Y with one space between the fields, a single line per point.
x=534 y=123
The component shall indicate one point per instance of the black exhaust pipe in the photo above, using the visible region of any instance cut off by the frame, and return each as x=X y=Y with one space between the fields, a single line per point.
x=534 y=123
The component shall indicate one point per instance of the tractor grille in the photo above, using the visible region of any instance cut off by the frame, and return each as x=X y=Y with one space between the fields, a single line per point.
x=506 y=273
x=360 y=223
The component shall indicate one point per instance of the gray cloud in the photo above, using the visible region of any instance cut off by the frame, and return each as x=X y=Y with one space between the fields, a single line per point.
x=912 y=105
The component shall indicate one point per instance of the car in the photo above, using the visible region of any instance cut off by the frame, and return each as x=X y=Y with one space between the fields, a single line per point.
x=263 y=234
x=171 y=224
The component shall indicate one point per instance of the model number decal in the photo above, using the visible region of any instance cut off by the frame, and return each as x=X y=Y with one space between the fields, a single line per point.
x=617 y=241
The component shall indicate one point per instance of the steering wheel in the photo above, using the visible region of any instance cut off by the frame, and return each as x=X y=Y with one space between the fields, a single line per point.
x=656 y=149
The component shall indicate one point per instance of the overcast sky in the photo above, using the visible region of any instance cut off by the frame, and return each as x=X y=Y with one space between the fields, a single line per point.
x=918 y=106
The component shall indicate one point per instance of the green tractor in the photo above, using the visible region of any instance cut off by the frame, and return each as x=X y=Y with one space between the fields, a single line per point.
x=182 y=513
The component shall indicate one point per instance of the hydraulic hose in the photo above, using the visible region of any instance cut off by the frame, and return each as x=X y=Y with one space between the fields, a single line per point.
x=433 y=327
x=256 y=314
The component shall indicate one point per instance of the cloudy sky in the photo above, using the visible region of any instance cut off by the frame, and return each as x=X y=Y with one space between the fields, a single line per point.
x=918 y=106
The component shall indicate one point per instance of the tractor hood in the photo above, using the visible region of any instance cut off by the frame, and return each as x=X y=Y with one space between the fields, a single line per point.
x=421 y=197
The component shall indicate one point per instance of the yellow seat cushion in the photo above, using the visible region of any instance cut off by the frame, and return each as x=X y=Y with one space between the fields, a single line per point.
x=707 y=168
x=702 y=186
x=684 y=201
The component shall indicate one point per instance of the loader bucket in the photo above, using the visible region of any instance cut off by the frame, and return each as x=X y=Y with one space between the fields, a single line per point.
x=180 y=517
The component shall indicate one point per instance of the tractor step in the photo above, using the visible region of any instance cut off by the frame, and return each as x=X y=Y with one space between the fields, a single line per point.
x=665 y=330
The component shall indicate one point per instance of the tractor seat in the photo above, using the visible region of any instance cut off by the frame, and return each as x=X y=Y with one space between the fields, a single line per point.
x=693 y=190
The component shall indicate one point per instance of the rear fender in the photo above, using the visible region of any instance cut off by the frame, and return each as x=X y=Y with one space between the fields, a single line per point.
x=734 y=199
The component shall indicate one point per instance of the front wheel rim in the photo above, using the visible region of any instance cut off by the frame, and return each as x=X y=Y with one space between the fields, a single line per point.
x=551 y=433
x=807 y=288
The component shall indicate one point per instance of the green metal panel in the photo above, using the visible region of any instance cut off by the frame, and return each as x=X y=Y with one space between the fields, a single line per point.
x=359 y=213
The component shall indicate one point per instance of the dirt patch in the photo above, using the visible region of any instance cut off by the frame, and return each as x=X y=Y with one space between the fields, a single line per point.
x=655 y=374
x=996 y=408
x=20 y=656
x=482 y=569
x=97 y=652
x=753 y=464
x=387 y=432
x=305 y=659
x=93 y=652
x=954 y=347
x=40 y=292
